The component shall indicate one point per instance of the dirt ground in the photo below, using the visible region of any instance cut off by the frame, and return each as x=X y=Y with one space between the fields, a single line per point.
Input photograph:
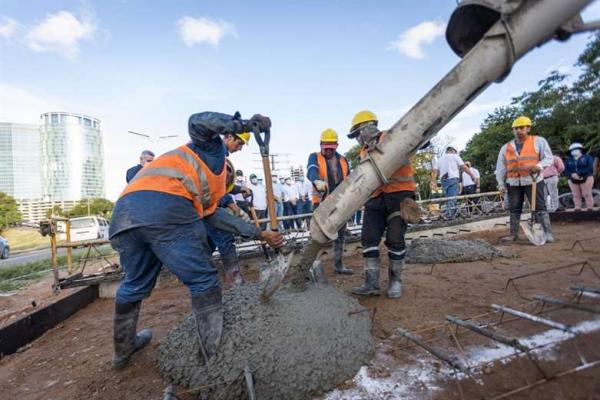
x=72 y=361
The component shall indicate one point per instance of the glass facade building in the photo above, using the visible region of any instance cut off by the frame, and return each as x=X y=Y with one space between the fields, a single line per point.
x=72 y=156
x=20 y=155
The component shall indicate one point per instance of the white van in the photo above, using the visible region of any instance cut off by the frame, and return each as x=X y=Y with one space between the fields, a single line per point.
x=89 y=228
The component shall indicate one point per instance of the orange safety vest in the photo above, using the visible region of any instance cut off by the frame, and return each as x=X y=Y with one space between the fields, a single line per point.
x=402 y=180
x=322 y=164
x=517 y=165
x=182 y=173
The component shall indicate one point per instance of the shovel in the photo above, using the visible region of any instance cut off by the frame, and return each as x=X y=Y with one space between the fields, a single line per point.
x=533 y=229
x=279 y=265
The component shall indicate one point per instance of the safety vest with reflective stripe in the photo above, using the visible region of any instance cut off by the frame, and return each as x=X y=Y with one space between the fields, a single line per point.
x=517 y=165
x=322 y=164
x=401 y=180
x=182 y=173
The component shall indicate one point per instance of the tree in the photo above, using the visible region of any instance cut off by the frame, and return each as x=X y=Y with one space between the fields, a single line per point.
x=9 y=211
x=562 y=113
x=102 y=207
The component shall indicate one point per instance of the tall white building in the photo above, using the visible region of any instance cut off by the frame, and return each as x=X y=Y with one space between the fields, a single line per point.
x=72 y=156
x=20 y=155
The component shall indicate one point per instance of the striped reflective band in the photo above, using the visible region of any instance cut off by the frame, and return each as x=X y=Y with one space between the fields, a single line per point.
x=205 y=199
x=368 y=249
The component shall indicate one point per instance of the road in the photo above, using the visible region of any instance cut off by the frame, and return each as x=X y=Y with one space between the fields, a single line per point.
x=35 y=255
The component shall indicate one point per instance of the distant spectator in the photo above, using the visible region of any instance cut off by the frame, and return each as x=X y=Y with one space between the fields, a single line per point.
x=470 y=185
x=279 y=196
x=259 y=198
x=579 y=170
x=239 y=198
x=304 y=204
x=596 y=156
x=551 y=174
x=291 y=199
x=146 y=157
x=448 y=167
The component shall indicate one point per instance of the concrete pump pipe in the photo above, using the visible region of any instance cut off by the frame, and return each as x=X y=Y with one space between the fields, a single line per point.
x=533 y=23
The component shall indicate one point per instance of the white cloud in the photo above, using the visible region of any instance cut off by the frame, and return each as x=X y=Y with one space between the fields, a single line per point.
x=19 y=105
x=61 y=33
x=204 y=30
x=411 y=41
x=8 y=28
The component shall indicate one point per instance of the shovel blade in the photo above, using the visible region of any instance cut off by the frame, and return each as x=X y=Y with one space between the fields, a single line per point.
x=277 y=270
x=534 y=232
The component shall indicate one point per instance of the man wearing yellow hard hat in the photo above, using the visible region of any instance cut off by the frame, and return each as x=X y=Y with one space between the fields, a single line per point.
x=326 y=169
x=520 y=161
x=383 y=213
x=222 y=240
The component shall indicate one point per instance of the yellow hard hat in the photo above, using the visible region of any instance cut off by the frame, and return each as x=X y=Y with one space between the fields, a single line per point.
x=521 y=121
x=363 y=116
x=230 y=178
x=329 y=136
x=245 y=136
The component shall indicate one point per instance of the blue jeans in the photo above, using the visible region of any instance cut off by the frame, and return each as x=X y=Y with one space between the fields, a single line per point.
x=182 y=248
x=451 y=188
x=221 y=240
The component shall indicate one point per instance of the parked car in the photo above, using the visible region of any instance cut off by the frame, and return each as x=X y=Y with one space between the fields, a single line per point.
x=89 y=228
x=4 y=248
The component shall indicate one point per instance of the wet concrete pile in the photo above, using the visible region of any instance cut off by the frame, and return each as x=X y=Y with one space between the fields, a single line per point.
x=298 y=345
x=428 y=251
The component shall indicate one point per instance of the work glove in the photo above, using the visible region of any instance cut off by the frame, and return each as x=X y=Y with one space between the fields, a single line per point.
x=273 y=239
x=258 y=123
x=321 y=186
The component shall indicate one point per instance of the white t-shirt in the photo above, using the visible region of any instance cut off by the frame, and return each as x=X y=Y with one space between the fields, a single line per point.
x=291 y=192
x=466 y=179
x=259 y=196
x=449 y=164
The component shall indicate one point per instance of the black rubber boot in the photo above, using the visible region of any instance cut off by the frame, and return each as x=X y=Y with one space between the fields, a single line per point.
x=338 y=253
x=395 y=278
x=208 y=311
x=544 y=219
x=514 y=221
x=231 y=269
x=126 y=341
x=371 y=285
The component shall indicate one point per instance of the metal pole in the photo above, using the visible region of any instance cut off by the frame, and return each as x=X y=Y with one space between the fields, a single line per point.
x=69 y=249
x=55 y=287
x=533 y=318
x=512 y=342
x=533 y=24
x=584 y=289
x=453 y=361
x=581 y=307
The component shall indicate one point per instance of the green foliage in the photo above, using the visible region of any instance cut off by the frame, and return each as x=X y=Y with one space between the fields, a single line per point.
x=102 y=207
x=561 y=112
x=352 y=156
x=9 y=212
x=422 y=163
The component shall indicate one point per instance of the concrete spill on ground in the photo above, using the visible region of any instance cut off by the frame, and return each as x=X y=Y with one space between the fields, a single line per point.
x=297 y=345
x=428 y=251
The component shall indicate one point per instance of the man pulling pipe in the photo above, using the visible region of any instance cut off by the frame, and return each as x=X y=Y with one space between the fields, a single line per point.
x=160 y=219
x=382 y=210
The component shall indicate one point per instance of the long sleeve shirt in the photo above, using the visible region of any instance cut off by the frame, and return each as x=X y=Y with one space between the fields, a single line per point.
x=148 y=208
x=583 y=166
x=334 y=177
x=556 y=168
x=545 y=159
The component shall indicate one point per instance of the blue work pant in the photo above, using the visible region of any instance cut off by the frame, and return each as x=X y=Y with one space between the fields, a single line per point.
x=221 y=240
x=182 y=248
x=451 y=188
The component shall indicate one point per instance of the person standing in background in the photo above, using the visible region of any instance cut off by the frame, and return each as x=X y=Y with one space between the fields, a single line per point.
x=551 y=174
x=146 y=157
x=579 y=170
x=469 y=185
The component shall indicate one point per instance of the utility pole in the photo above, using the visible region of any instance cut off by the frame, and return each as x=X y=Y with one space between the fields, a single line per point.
x=277 y=163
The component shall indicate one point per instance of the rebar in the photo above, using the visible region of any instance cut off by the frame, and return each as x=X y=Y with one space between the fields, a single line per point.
x=454 y=361
x=512 y=342
x=581 y=307
x=533 y=318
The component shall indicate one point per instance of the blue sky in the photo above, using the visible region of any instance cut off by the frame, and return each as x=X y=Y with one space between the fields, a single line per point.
x=309 y=65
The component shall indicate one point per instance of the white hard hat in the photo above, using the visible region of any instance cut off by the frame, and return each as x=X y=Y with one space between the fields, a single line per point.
x=575 y=145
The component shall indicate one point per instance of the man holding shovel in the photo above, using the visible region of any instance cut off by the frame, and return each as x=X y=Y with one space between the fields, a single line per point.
x=518 y=168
